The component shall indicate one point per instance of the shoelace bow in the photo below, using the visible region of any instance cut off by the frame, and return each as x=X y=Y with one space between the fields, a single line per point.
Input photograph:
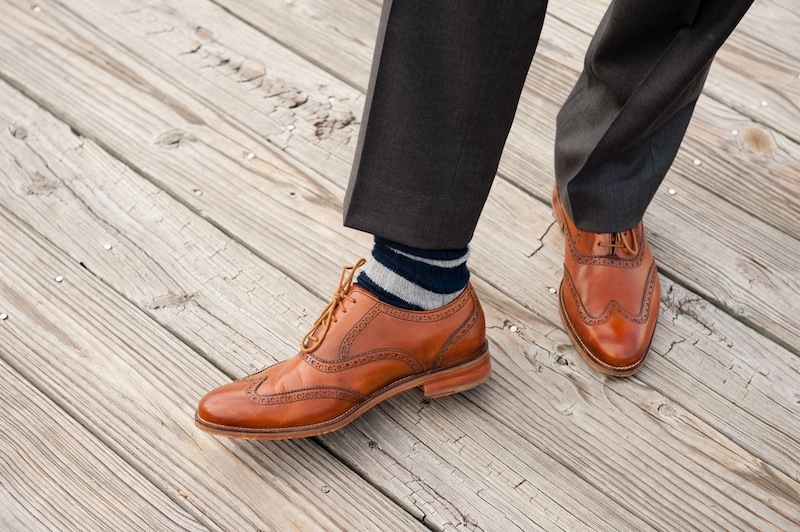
x=327 y=317
x=618 y=240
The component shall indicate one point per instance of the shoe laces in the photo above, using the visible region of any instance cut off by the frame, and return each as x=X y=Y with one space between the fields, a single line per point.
x=619 y=241
x=313 y=339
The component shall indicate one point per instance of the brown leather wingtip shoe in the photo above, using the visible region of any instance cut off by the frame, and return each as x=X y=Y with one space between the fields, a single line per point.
x=359 y=353
x=609 y=295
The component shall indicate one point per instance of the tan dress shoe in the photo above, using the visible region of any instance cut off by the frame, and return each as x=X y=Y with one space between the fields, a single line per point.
x=360 y=352
x=609 y=295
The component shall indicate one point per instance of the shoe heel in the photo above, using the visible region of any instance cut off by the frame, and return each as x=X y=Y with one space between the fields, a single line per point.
x=460 y=378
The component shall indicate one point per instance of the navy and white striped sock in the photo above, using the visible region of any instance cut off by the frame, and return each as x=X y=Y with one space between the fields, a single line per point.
x=413 y=278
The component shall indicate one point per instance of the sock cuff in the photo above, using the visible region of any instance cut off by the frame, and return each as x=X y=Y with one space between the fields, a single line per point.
x=439 y=275
x=433 y=254
x=414 y=278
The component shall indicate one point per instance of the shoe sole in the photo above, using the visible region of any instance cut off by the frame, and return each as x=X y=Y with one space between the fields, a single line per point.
x=434 y=384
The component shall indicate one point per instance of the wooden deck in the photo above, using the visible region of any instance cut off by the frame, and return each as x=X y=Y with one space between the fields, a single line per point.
x=171 y=178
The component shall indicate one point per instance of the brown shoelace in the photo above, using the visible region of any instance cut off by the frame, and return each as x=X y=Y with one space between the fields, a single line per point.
x=619 y=241
x=313 y=339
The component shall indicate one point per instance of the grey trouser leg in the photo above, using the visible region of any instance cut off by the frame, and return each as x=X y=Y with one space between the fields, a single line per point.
x=445 y=84
x=444 y=88
x=620 y=128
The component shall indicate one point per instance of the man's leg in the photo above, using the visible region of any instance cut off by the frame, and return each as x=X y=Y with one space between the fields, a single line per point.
x=617 y=135
x=444 y=89
x=620 y=128
x=442 y=96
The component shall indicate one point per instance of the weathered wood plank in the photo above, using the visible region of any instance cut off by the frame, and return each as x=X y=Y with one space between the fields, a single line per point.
x=308 y=27
x=56 y=180
x=774 y=21
x=56 y=474
x=533 y=245
x=769 y=157
x=163 y=126
x=106 y=363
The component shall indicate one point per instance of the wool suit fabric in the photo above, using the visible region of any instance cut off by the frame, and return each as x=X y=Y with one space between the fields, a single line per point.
x=445 y=83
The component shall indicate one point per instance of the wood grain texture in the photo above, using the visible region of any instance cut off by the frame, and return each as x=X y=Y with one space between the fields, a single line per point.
x=163 y=258
x=169 y=123
x=127 y=378
x=56 y=474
